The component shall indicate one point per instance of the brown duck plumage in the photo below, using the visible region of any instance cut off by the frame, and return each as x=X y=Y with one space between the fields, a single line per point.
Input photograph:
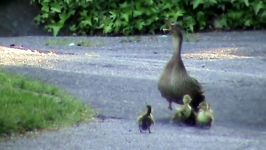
x=175 y=82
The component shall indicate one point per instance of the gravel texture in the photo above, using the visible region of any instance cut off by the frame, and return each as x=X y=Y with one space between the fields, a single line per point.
x=118 y=77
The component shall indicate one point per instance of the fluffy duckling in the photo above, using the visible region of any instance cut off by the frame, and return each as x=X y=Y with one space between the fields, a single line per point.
x=185 y=114
x=146 y=120
x=205 y=115
x=175 y=81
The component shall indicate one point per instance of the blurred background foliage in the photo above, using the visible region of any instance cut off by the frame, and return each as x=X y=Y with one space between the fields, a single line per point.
x=126 y=17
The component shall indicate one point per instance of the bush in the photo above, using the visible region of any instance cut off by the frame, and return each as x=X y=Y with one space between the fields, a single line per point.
x=138 y=16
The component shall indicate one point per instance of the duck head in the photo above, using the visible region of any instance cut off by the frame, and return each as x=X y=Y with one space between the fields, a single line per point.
x=175 y=29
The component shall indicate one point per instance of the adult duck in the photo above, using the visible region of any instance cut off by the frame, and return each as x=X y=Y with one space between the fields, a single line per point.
x=175 y=81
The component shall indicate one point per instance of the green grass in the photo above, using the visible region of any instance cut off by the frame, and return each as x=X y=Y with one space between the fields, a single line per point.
x=27 y=105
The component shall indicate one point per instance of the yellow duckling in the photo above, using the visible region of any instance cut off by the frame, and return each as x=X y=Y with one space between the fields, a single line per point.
x=185 y=114
x=205 y=115
x=146 y=120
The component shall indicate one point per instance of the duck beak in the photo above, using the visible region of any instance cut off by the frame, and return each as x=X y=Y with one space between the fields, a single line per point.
x=165 y=30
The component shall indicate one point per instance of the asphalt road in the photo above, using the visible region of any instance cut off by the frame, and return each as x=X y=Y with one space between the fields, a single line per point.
x=118 y=77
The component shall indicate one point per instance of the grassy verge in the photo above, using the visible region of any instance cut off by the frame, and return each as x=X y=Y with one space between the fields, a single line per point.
x=27 y=105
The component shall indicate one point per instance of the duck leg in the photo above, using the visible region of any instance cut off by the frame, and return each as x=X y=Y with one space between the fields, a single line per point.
x=140 y=130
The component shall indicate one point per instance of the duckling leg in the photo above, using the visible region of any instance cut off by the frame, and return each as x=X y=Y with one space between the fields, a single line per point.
x=170 y=105
x=140 y=130
x=149 y=130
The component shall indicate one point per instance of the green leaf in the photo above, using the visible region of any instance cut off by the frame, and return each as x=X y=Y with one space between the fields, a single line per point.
x=124 y=5
x=257 y=7
x=140 y=25
x=56 y=7
x=86 y=22
x=107 y=29
x=221 y=23
x=201 y=19
x=196 y=3
x=150 y=2
x=176 y=14
x=113 y=14
x=55 y=28
x=125 y=16
x=137 y=13
x=45 y=15
x=189 y=23
x=246 y=3
x=248 y=23
x=45 y=8
x=73 y=28
x=167 y=6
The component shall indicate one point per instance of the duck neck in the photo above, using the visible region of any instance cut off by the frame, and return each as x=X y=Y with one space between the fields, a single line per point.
x=177 y=53
x=178 y=45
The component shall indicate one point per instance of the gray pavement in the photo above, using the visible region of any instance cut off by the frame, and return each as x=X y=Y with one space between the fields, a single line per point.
x=118 y=77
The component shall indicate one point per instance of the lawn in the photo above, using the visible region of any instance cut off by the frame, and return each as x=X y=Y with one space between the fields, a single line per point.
x=28 y=105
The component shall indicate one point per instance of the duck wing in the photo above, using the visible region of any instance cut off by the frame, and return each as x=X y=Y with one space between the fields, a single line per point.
x=164 y=84
x=184 y=84
x=192 y=85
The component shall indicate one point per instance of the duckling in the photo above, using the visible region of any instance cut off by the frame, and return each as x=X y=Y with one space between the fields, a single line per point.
x=185 y=114
x=205 y=115
x=146 y=120
x=175 y=81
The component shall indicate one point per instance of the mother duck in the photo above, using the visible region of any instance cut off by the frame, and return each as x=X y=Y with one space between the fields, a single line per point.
x=175 y=82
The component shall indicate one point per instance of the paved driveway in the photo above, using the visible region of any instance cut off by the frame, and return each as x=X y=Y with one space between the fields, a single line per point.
x=118 y=77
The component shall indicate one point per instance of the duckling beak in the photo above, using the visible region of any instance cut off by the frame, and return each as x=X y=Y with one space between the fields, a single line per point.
x=165 y=30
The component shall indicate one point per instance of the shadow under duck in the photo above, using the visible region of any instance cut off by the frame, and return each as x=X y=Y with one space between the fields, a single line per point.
x=175 y=82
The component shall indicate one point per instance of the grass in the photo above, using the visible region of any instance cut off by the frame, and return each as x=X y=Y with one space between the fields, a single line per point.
x=27 y=105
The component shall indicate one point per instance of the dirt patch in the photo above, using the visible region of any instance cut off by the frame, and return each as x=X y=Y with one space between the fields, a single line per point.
x=46 y=59
x=13 y=56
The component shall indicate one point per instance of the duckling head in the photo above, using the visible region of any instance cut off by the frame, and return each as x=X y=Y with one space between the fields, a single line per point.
x=204 y=106
x=187 y=99
x=148 y=109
